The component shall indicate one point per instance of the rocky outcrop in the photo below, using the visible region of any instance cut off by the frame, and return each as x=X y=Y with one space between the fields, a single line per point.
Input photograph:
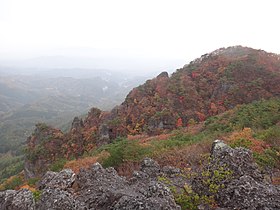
x=245 y=188
x=236 y=183
x=57 y=192
x=77 y=124
x=101 y=188
x=17 y=200
x=97 y=188
x=44 y=146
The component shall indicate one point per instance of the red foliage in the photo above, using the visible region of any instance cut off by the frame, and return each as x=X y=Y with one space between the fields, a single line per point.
x=200 y=116
x=179 y=123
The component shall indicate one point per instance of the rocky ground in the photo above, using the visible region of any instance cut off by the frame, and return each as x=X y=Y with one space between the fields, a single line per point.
x=234 y=181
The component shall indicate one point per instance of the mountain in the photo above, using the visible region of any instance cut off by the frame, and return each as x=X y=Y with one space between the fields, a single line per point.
x=208 y=86
x=212 y=129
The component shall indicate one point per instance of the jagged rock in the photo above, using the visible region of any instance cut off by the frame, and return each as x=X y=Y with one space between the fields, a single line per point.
x=240 y=160
x=57 y=192
x=150 y=167
x=218 y=145
x=62 y=180
x=103 y=189
x=247 y=193
x=43 y=148
x=56 y=199
x=17 y=200
x=246 y=187
x=163 y=74
x=77 y=124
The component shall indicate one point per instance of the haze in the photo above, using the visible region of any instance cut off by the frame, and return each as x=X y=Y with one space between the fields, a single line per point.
x=140 y=36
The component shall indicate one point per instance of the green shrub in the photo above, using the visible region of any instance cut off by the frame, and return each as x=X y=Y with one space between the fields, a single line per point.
x=32 y=181
x=37 y=195
x=10 y=170
x=270 y=135
x=257 y=115
x=58 y=165
x=267 y=160
x=12 y=183
x=241 y=143
x=124 y=150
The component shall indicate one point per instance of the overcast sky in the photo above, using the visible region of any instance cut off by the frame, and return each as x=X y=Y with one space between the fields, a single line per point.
x=152 y=28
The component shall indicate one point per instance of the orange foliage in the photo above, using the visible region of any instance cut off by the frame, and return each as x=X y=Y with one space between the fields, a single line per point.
x=213 y=109
x=247 y=134
x=26 y=186
x=76 y=165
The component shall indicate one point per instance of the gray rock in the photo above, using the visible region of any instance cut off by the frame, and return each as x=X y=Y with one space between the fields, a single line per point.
x=49 y=175
x=150 y=167
x=56 y=199
x=218 y=145
x=240 y=160
x=247 y=193
x=17 y=200
x=62 y=180
x=246 y=188
x=103 y=189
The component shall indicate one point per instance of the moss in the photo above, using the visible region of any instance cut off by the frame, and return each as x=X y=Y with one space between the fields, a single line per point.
x=37 y=195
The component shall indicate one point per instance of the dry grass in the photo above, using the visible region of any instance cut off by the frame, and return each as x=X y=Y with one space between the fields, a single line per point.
x=187 y=157
x=86 y=162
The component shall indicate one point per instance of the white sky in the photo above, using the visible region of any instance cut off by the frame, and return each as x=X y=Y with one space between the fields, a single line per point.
x=171 y=29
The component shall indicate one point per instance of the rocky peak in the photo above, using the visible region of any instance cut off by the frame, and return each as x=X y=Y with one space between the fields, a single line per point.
x=163 y=75
x=77 y=124
x=44 y=147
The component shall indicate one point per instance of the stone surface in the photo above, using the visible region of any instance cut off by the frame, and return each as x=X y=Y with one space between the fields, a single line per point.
x=57 y=199
x=17 y=200
x=62 y=180
x=246 y=187
x=103 y=189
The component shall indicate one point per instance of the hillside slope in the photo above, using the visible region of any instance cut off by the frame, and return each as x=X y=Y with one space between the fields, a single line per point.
x=210 y=85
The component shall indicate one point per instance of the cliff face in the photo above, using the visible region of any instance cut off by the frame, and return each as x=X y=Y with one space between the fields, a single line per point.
x=208 y=86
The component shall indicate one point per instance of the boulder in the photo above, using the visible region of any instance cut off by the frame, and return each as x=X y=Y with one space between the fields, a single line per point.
x=245 y=188
x=101 y=188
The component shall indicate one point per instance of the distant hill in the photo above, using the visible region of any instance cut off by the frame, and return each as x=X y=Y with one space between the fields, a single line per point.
x=27 y=100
